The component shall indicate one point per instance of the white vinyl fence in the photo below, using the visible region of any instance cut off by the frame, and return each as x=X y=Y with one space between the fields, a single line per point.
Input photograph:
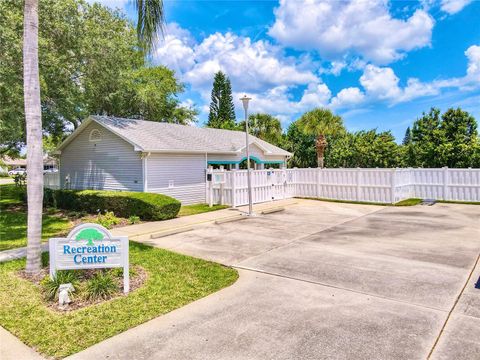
x=51 y=180
x=369 y=185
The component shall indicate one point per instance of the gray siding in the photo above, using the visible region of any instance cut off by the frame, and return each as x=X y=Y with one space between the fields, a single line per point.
x=181 y=176
x=109 y=164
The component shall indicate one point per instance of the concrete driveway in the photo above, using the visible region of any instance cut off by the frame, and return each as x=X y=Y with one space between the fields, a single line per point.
x=326 y=281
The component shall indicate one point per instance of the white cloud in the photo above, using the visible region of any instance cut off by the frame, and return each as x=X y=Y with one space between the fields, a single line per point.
x=453 y=6
x=471 y=80
x=381 y=83
x=315 y=95
x=347 y=97
x=251 y=66
x=279 y=101
x=175 y=49
x=473 y=69
x=335 y=28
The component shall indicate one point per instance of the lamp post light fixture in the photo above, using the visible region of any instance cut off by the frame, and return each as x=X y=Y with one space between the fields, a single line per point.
x=245 y=101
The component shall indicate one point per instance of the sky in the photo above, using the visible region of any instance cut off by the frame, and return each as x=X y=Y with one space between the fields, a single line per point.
x=377 y=64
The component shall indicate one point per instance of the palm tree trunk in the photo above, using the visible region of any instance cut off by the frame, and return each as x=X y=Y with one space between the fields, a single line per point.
x=320 y=146
x=33 y=118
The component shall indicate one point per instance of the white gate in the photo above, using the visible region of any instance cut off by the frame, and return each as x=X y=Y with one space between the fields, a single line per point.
x=369 y=185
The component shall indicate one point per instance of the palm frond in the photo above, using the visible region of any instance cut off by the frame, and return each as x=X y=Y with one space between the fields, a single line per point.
x=150 y=24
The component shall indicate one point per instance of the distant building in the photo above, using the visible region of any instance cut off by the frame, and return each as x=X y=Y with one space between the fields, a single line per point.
x=135 y=155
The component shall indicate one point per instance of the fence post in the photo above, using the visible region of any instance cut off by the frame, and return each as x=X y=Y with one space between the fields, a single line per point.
x=359 y=173
x=319 y=183
x=445 y=183
x=392 y=180
x=222 y=187
x=210 y=186
x=233 y=187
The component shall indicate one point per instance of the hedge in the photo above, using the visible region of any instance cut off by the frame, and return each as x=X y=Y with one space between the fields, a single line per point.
x=146 y=206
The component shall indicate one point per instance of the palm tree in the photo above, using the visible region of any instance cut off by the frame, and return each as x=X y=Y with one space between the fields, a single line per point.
x=265 y=127
x=33 y=119
x=150 y=22
x=151 y=18
x=321 y=123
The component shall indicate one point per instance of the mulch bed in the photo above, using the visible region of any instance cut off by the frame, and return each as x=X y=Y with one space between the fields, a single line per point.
x=137 y=279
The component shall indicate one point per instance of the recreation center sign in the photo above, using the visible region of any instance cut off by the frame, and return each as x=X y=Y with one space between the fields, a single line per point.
x=90 y=246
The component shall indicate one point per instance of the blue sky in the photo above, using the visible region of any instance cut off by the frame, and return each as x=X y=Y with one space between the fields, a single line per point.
x=378 y=64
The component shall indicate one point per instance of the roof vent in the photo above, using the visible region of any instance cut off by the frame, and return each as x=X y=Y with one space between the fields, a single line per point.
x=95 y=135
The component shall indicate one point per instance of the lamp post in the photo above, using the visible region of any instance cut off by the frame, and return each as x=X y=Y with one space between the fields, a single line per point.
x=245 y=101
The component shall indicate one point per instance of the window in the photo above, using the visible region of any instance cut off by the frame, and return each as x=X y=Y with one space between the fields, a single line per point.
x=95 y=135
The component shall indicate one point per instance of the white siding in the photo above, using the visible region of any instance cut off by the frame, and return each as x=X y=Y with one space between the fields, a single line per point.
x=181 y=176
x=109 y=164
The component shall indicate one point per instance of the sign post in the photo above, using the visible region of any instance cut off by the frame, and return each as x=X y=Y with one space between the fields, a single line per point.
x=90 y=246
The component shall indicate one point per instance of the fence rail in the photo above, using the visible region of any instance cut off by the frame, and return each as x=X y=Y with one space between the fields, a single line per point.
x=368 y=185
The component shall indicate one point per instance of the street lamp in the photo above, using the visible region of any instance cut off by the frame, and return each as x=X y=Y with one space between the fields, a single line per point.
x=245 y=101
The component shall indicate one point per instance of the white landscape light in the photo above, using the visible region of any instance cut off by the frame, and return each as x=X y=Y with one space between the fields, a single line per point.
x=245 y=99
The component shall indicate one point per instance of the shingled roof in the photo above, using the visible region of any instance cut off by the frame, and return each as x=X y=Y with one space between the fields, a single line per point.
x=150 y=136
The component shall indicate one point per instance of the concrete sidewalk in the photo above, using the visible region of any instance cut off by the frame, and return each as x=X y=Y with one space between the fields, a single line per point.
x=142 y=232
x=13 y=349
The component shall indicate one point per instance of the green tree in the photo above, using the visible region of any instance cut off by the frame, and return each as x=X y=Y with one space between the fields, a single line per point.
x=151 y=93
x=364 y=149
x=449 y=139
x=408 y=136
x=426 y=137
x=459 y=134
x=302 y=146
x=265 y=127
x=321 y=123
x=222 y=110
x=150 y=19
x=90 y=63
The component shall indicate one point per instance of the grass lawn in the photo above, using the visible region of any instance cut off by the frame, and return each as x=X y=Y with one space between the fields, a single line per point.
x=199 y=208
x=173 y=281
x=406 y=202
x=409 y=202
x=13 y=221
x=459 y=202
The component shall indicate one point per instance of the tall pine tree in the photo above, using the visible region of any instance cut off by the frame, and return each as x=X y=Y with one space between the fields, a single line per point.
x=222 y=110
x=407 y=139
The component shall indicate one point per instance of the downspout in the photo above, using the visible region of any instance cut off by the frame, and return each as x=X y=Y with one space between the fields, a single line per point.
x=145 y=172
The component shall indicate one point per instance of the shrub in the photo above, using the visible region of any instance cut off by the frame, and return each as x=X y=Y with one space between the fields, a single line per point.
x=146 y=206
x=107 y=220
x=101 y=286
x=133 y=219
x=50 y=287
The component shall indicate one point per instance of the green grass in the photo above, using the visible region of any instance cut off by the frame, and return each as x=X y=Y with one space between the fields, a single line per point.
x=13 y=228
x=199 y=208
x=173 y=281
x=13 y=220
x=406 y=202
x=459 y=202
x=409 y=202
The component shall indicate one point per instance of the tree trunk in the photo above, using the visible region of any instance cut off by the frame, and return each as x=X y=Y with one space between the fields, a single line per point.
x=320 y=145
x=33 y=118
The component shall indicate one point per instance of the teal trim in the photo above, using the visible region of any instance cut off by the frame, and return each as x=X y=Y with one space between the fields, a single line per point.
x=254 y=158
x=222 y=162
